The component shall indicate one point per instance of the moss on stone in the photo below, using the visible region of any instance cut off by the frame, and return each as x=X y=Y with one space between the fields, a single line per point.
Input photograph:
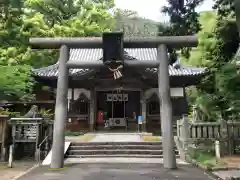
x=58 y=169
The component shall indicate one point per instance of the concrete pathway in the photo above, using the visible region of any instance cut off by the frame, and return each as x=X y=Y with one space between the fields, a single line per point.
x=116 y=138
x=19 y=168
x=117 y=172
x=227 y=174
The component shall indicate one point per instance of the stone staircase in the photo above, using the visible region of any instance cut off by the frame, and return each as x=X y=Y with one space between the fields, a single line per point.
x=116 y=150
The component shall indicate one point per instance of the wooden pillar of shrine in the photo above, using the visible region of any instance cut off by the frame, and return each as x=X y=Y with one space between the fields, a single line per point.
x=92 y=110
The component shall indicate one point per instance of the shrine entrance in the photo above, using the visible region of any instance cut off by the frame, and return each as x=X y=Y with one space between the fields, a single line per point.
x=112 y=45
x=120 y=109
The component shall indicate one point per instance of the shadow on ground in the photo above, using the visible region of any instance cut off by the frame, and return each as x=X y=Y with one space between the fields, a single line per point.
x=117 y=172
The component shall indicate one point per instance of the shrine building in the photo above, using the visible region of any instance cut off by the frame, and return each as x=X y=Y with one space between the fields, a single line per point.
x=122 y=99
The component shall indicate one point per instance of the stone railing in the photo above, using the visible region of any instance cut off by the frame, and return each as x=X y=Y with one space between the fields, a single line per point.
x=207 y=130
x=190 y=133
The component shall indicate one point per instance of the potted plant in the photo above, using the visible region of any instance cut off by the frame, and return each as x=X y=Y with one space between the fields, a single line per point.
x=46 y=113
x=7 y=113
x=4 y=114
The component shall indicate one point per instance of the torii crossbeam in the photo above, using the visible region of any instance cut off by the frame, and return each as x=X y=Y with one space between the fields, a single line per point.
x=161 y=43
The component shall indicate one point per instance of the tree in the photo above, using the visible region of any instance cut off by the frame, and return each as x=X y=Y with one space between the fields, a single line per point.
x=19 y=22
x=57 y=11
x=207 y=20
x=16 y=83
x=183 y=20
x=222 y=79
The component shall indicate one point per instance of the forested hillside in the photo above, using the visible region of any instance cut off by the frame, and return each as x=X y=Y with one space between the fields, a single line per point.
x=134 y=25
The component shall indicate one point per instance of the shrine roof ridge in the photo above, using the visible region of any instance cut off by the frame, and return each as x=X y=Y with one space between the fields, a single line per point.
x=130 y=54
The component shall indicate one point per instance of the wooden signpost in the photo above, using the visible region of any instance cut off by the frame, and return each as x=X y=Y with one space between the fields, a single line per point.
x=29 y=131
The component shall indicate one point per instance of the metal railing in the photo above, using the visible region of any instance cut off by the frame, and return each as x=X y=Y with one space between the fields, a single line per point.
x=38 y=150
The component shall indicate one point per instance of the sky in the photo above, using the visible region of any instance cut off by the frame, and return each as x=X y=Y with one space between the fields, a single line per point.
x=151 y=8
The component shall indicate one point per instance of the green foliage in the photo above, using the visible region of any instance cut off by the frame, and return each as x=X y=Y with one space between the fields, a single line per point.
x=70 y=133
x=237 y=149
x=16 y=81
x=183 y=20
x=201 y=157
x=6 y=112
x=207 y=20
x=217 y=97
x=20 y=20
x=46 y=112
x=203 y=153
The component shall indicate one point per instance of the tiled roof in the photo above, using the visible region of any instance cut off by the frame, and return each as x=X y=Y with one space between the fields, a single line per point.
x=130 y=54
x=182 y=71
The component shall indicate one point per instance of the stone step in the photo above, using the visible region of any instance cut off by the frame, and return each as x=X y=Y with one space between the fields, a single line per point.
x=120 y=133
x=117 y=156
x=114 y=143
x=116 y=151
x=128 y=146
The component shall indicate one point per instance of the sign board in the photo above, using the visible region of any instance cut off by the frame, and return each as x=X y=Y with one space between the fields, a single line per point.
x=31 y=132
x=139 y=119
x=26 y=132
x=117 y=97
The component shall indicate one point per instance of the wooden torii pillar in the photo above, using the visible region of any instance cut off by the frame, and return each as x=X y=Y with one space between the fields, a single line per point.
x=161 y=43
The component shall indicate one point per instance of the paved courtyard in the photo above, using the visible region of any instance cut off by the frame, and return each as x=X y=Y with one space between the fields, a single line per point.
x=117 y=172
x=116 y=169
x=121 y=137
x=228 y=173
x=19 y=167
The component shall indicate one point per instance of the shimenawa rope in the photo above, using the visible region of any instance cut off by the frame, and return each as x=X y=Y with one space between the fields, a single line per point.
x=116 y=72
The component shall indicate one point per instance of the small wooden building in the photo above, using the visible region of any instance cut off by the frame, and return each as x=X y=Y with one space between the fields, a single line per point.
x=124 y=99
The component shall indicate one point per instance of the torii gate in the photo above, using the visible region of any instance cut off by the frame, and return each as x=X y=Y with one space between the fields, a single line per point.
x=161 y=43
